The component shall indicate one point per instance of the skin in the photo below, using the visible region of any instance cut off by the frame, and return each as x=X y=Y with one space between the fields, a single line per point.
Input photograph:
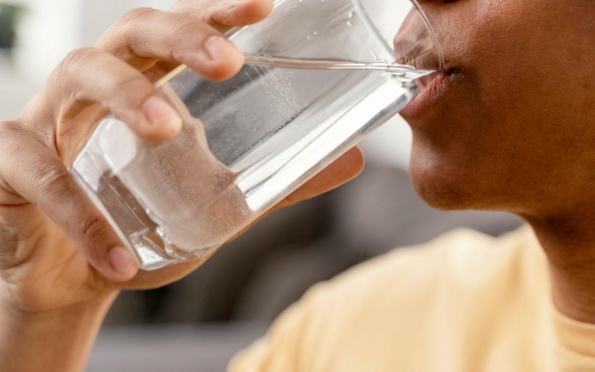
x=61 y=265
x=522 y=143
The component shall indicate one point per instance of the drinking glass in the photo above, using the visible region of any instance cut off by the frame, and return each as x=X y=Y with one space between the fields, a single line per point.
x=320 y=75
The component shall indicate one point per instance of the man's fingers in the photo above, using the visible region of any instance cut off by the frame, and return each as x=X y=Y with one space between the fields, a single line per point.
x=146 y=36
x=226 y=14
x=41 y=178
x=342 y=170
x=89 y=75
x=339 y=172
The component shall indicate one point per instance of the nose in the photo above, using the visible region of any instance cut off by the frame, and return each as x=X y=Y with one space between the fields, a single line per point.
x=405 y=39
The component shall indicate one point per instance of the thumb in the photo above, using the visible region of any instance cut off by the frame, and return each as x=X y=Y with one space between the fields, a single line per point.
x=42 y=179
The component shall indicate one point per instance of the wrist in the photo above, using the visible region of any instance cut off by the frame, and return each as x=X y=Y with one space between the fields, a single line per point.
x=53 y=340
x=72 y=314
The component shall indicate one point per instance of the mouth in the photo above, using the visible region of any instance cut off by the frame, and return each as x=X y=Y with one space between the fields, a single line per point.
x=414 y=47
x=432 y=89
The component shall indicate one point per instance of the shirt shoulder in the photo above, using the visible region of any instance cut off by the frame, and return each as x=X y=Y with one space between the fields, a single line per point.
x=404 y=300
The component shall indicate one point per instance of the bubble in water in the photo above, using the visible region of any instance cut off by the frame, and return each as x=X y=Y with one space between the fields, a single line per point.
x=309 y=37
x=349 y=24
x=350 y=14
x=314 y=33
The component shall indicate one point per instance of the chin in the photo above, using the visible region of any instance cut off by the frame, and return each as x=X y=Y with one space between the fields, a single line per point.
x=444 y=184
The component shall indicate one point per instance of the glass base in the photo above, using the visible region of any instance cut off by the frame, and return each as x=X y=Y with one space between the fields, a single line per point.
x=127 y=216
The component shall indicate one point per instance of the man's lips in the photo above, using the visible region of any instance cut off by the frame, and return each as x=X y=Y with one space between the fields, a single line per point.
x=431 y=86
x=431 y=90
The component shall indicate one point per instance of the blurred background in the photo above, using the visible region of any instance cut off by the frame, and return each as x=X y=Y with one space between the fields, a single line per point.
x=197 y=324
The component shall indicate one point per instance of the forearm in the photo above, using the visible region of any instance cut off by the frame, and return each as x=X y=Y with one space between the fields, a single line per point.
x=59 y=341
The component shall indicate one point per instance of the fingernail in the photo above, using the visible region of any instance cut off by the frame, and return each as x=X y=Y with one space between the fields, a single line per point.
x=219 y=47
x=160 y=113
x=121 y=260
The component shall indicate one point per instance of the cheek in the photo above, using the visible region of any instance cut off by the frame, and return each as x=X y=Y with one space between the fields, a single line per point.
x=507 y=131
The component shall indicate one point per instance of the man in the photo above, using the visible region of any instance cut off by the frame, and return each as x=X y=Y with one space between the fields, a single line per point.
x=508 y=125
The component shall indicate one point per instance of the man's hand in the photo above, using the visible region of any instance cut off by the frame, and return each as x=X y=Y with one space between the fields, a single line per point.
x=56 y=249
x=61 y=264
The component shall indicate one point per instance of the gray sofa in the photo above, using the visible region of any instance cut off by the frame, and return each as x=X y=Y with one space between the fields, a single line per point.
x=197 y=324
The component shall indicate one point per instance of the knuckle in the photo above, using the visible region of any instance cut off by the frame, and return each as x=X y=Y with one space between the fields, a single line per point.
x=9 y=139
x=116 y=39
x=191 y=36
x=132 y=89
x=131 y=82
x=191 y=7
x=54 y=181
x=93 y=230
x=6 y=130
x=63 y=80
x=74 y=59
x=133 y=16
x=198 y=29
x=7 y=145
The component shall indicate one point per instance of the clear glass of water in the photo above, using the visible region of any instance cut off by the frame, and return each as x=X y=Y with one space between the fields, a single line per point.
x=320 y=75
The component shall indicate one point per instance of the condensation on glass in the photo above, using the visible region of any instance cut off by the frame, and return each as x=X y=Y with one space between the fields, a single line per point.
x=319 y=77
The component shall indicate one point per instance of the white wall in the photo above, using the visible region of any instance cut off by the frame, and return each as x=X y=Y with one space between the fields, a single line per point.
x=100 y=14
x=52 y=28
x=49 y=30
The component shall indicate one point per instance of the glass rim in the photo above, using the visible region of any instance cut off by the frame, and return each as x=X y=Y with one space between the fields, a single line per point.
x=432 y=33
x=421 y=14
x=374 y=30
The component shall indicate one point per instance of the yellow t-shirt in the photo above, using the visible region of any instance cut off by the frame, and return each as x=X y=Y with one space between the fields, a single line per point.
x=464 y=302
